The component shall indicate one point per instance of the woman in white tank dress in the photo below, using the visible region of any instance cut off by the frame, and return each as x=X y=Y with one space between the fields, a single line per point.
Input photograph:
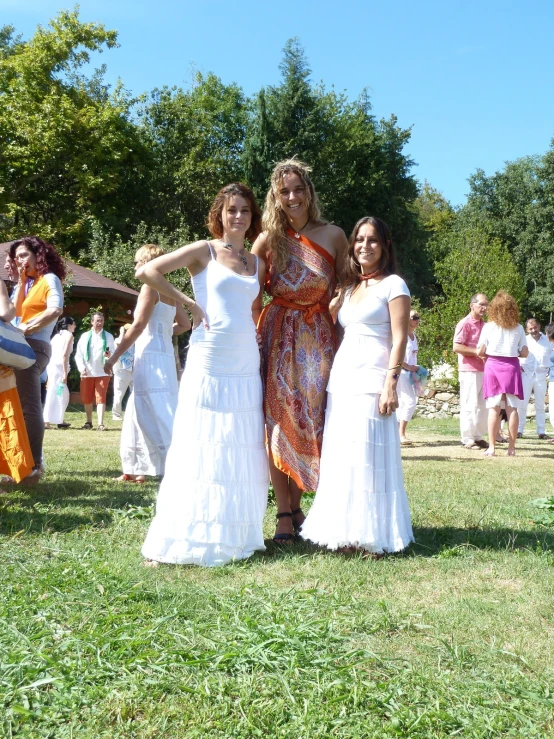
x=212 y=500
x=57 y=392
x=148 y=421
x=361 y=502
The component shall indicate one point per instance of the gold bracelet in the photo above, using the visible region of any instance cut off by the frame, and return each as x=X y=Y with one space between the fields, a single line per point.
x=396 y=366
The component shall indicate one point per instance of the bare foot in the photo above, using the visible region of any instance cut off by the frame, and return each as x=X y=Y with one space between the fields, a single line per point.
x=490 y=452
x=32 y=479
x=405 y=441
x=129 y=478
x=150 y=563
x=511 y=452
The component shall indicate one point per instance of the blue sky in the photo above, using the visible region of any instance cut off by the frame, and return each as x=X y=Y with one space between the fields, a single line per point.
x=474 y=80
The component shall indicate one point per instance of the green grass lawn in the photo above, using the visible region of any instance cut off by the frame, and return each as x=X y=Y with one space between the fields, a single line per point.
x=454 y=638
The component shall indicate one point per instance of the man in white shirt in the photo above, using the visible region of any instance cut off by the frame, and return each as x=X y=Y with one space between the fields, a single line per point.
x=535 y=369
x=93 y=349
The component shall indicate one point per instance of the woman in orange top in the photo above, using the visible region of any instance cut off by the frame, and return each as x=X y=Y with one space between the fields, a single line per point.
x=305 y=255
x=16 y=459
x=38 y=303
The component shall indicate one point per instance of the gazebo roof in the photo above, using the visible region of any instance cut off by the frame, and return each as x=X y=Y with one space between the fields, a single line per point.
x=85 y=282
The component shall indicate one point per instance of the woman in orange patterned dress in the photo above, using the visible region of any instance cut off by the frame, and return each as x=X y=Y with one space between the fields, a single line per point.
x=304 y=256
x=16 y=459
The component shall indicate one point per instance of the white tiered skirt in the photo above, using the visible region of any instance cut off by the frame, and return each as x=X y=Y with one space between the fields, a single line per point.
x=360 y=500
x=148 y=421
x=212 y=500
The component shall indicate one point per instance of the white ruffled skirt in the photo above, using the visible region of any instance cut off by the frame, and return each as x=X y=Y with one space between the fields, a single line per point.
x=360 y=500
x=212 y=500
x=148 y=421
x=55 y=405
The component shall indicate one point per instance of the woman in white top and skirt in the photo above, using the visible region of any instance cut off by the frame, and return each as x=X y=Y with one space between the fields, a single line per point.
x=57 y=392
x=407 y=397
x=148 y=421
x=502 y=341
x=212 y=500
x=361 y=502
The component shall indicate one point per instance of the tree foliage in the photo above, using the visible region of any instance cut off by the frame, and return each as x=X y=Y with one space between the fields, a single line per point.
x=359 y=164
x=68 y=150
x=196 y=138
x=474 y=263
x=516 y=205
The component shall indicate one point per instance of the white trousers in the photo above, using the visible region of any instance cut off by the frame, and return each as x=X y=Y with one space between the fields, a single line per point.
x=473 y=412
x=121 y=381
x=407 y=398
x=537 y=386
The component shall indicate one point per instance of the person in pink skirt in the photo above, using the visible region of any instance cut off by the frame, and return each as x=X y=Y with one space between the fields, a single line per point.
x=502 y=341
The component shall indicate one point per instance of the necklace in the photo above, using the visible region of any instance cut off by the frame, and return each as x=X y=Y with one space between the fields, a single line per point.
x=240 y=255
x=297 y=233
x=371 y=275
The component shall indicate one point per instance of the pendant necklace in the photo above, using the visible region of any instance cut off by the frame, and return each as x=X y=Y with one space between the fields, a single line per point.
x=241 y=255
x=297 y=233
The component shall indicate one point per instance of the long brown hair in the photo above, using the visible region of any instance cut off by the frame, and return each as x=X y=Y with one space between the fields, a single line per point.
x=352 y=270
x=274 y=221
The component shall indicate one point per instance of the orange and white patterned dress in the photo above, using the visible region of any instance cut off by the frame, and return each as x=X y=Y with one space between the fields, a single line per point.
x=16 y=459
x=298 y=346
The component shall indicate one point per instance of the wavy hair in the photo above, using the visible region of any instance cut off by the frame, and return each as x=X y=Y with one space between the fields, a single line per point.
x=215 y=221
x=274 y=220
x=503 y=310
x=48 y=259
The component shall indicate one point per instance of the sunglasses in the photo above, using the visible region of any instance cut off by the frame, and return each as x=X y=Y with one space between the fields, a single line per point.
x=415 y=318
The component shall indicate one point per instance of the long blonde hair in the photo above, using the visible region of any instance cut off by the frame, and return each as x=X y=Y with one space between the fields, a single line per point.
x=274 y=221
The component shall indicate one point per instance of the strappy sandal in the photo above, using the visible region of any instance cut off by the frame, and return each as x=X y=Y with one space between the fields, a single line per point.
x=283 y=538
x=297 y=512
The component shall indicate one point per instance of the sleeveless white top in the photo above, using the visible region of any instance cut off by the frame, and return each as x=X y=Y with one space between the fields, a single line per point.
x=226 y=297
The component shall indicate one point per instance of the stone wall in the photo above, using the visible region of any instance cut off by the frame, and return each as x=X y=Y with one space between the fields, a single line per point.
x=443 y=401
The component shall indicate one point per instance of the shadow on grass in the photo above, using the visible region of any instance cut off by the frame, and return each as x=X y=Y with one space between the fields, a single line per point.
x=65 y=505
x=432 y=458
x=430 y=541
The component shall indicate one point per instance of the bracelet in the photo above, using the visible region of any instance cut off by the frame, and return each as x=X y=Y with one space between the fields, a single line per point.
x=396 y=366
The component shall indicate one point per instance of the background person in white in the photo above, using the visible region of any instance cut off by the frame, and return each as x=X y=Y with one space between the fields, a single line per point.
x=535 y=370
x=93 y=349
x=549 y=331
x=473 y=411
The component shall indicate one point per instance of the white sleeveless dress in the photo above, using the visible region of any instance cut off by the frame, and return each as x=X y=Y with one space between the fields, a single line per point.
x=212 y=500
x=57 y=393
x=148 y=421
x=361 y=499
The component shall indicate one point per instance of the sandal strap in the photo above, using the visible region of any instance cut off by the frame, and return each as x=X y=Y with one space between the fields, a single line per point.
x=283 y=515
x=297 y=511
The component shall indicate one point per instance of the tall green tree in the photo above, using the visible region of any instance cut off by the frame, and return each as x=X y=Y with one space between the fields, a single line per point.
x=68 y=149
x=196 y=138
x=516 y=205
x=359 y=164
x=475 y=262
